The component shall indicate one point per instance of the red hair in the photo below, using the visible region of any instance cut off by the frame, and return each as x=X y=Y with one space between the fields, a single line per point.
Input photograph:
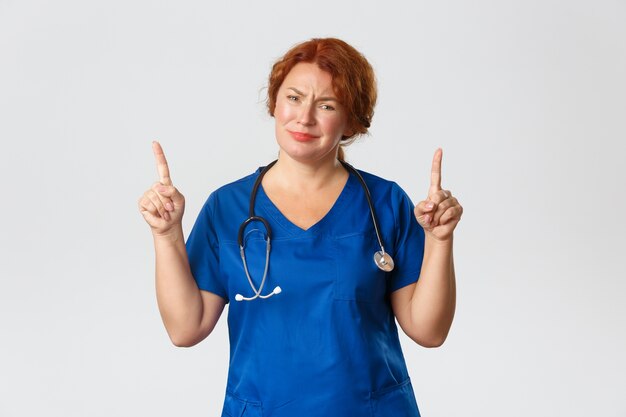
x=353 y=79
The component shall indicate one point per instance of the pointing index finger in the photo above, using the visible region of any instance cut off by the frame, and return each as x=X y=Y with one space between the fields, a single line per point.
x=162 y=167
x=435 y=173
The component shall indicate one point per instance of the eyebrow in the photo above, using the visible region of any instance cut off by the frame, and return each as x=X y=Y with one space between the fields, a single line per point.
x=319 y=99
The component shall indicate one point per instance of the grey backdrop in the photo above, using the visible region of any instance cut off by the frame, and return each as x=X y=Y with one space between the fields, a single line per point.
x=526 y=98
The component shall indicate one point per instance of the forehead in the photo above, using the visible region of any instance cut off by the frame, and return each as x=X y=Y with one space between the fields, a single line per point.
x=309 y=76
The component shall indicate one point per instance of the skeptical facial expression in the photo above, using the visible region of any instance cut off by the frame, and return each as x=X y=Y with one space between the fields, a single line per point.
x=310 y=121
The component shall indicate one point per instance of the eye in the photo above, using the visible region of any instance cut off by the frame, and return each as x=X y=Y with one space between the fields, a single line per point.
x=292 y=98
x=327 y=107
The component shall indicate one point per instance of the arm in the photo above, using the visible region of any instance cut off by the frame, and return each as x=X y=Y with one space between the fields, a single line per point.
x=189 y=314
x=425 y=309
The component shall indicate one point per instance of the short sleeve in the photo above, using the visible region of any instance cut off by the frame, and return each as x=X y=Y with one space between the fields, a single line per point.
x=203 y=251
x=409 y=241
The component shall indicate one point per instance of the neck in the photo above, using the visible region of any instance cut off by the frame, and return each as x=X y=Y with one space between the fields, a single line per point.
x=304 y=177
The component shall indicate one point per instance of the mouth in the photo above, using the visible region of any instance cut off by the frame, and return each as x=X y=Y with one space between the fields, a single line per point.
x=301 y=137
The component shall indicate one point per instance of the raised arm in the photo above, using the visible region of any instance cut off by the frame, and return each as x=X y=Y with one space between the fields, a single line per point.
x=425 y=310
x=189 y=314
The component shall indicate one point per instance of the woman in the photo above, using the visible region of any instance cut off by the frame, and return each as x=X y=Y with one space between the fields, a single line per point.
x=311 y=322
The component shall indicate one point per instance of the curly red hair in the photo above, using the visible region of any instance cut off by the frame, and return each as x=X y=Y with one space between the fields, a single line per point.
x=353 y=79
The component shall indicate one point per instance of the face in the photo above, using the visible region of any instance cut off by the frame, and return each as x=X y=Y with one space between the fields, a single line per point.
x=310 y=121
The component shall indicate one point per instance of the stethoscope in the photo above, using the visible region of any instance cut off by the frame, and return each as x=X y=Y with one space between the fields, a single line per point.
x=381 y=258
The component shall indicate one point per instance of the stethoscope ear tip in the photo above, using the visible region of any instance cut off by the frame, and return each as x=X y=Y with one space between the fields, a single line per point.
x=277 y=290
x=238 y=297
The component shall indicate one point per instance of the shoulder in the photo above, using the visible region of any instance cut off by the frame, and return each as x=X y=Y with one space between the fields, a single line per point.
x=380 y=186
x=233 y=191
x=241 y=184
x=389 y=198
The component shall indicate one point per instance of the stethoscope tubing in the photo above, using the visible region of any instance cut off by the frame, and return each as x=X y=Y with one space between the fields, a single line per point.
x=369 y=202
x=381 y=258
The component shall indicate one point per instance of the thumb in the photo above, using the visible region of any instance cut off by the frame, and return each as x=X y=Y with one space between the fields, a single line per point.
x=423 y=212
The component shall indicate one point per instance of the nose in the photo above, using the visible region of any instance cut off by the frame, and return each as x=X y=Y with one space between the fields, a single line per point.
x=306 y=116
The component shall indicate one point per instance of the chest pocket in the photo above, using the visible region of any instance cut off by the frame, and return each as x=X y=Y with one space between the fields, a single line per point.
x=358 y=278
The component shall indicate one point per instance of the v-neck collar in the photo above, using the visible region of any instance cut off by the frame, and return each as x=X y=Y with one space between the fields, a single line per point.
x=338 y=206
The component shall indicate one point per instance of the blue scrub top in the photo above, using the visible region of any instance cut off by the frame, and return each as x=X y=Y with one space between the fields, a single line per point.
x=327 y=345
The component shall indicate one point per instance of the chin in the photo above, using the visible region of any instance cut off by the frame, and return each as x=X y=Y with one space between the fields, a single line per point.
x=301 y=156
x=304 y=152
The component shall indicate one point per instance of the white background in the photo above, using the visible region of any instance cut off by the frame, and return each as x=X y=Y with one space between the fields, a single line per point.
x=526 y=98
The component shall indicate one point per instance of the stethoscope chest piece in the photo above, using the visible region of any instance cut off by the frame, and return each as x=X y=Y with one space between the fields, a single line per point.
x=383 y=261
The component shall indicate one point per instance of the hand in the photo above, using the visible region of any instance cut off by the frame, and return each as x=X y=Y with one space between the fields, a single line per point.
x=162 y=206
x=440 y=212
